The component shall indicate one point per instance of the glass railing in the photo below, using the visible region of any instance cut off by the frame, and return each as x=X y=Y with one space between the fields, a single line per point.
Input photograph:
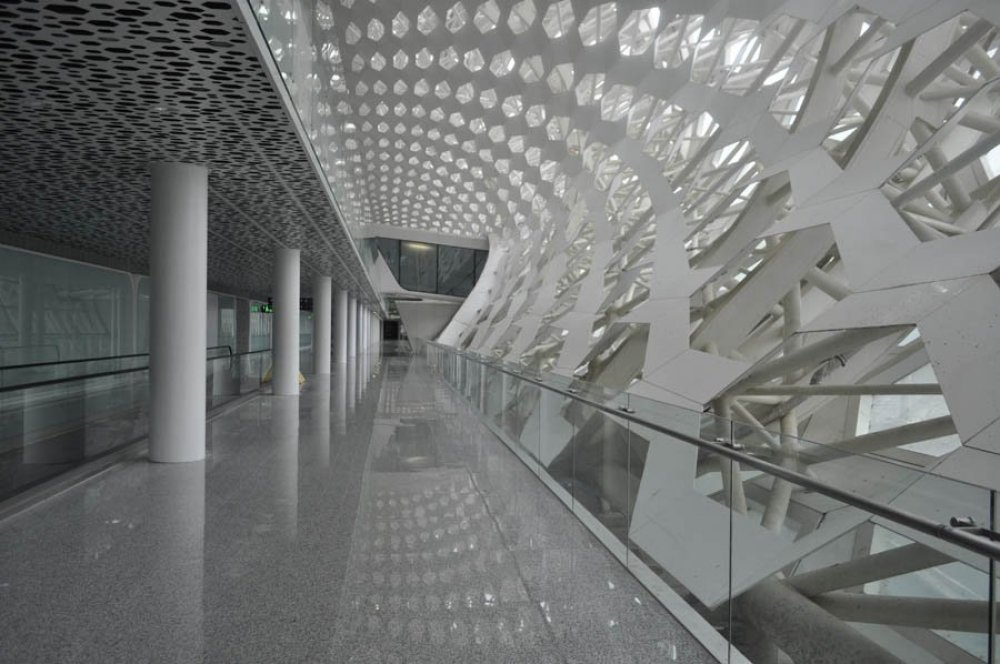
x=54 y=424
x=792 y=551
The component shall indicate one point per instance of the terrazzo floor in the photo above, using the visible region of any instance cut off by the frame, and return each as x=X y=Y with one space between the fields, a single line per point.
x=371 y=519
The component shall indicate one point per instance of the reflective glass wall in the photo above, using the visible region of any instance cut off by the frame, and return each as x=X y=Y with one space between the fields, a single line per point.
x=227 y=321
x=53 y=309
x=260 y=326
x=418 y=267
x=433 y=268
x=222 y=326
x=306 y=349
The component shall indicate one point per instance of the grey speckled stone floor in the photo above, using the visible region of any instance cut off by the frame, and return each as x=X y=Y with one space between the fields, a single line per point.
x=366 y=520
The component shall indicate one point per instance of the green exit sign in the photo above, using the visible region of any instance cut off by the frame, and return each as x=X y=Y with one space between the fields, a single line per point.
x=261 y=309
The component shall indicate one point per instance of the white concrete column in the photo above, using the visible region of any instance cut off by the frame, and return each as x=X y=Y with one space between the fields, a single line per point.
x=368 y=330
x=352 y=326
x=363 y=327
x=285 y=374
x=340 y=398
x=178 y=269
x=359 y=322
x=340 y=334
x=322 y=321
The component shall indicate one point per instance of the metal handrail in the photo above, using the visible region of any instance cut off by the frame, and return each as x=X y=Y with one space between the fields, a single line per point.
x=104 y=374
x=250 y=352
x=69 y=379
x=32 y=365
x=978 y=544
x=228 y=348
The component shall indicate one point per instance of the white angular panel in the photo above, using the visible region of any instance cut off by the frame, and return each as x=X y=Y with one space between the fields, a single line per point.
x=722 y=207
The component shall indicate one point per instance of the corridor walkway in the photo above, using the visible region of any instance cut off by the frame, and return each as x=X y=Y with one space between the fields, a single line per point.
x=371 y=519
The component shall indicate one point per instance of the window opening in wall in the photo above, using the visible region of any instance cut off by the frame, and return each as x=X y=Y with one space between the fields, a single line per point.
x=433 y=268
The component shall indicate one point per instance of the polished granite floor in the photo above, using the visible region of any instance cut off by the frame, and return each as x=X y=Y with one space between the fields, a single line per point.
x=371 y=519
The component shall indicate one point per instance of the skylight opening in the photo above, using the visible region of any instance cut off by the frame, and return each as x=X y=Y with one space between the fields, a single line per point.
x=991 y=162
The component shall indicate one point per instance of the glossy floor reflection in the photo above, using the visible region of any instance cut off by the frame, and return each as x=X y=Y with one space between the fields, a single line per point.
x=371 y=519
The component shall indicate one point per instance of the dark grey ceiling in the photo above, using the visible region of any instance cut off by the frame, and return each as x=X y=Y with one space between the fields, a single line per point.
x=92 y=92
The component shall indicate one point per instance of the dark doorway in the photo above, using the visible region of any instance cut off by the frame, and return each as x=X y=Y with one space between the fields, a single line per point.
x=390 y=330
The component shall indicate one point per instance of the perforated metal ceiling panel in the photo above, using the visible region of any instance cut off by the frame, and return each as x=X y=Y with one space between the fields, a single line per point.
x=91 y=93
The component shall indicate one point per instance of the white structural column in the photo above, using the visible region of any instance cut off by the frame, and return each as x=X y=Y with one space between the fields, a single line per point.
x=322 y=322
x=340 y=334
x=361 y=328
x=352 y=326
x=178 y=268
x=364 y=328
x=286 y=322
x=369 y=331
x=363 y=320
x=359 y=323
x=367 y=323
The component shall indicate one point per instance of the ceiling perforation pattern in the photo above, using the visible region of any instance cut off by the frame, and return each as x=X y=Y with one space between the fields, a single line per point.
x=91 y=93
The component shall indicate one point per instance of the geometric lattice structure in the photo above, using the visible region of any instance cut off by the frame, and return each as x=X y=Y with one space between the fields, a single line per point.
x=785 y=212
x=690 y=194
x=782 y=211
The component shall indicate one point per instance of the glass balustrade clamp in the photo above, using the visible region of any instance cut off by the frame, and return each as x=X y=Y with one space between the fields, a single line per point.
x=968 y=524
